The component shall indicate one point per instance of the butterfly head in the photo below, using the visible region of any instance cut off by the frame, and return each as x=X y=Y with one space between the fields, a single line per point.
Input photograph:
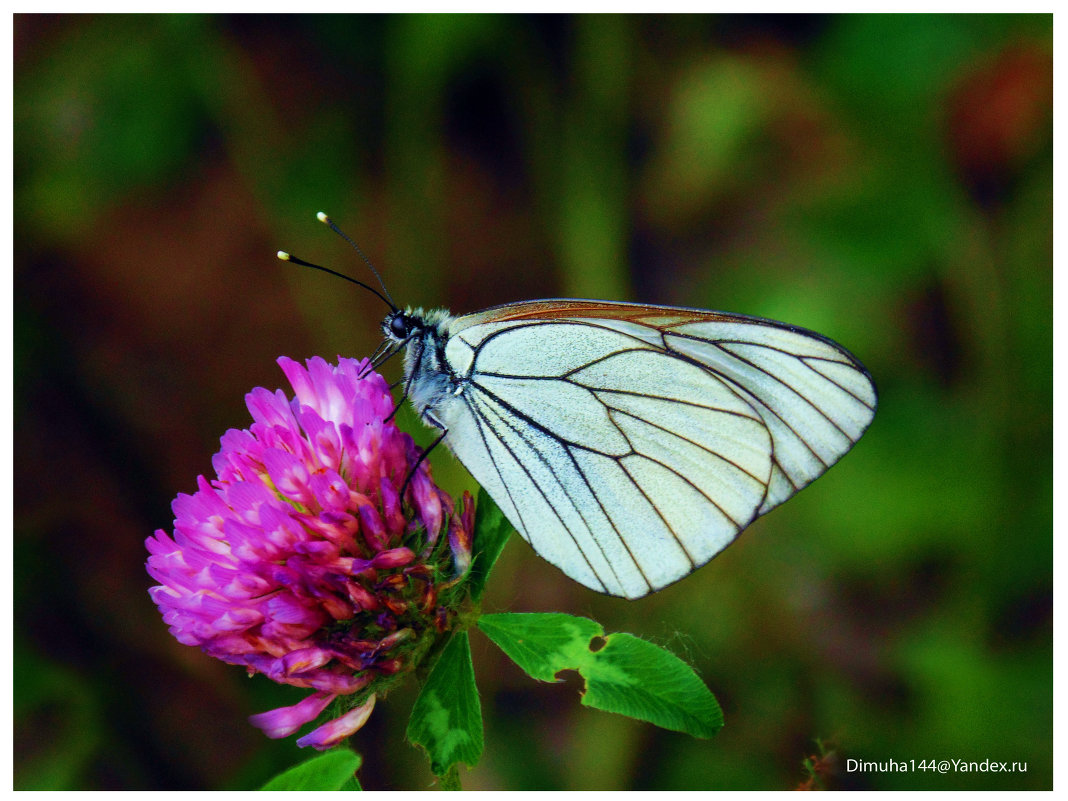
x=403 y=326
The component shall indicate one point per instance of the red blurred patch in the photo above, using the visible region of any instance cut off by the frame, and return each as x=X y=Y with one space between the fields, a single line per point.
x=999 y=116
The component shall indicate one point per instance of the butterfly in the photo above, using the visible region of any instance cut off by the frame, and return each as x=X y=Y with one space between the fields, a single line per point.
x=630 y=443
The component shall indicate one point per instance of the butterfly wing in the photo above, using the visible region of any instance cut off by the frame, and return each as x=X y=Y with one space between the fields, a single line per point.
x=629 y=444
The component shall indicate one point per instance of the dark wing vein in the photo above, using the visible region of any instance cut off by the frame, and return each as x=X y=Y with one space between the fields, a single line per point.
x=562 y=321
x=684 y=438
x=480 y=421
x=763 y=403
x=634 y=393
x=577 y=507
x=789 y=386
x=683 y=477
x=805 y=360
x=483 y=415
x=527 y=418
x=810 y=335
x=619 y=463
x=626 y=546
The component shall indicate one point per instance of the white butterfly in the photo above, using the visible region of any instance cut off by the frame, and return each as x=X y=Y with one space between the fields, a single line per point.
x=629 y=444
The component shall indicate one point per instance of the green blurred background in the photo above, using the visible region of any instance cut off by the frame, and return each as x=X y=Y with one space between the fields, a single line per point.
x=885 y=180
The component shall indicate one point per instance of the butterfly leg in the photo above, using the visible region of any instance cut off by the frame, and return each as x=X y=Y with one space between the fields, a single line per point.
x=407 y=384
x=429 y=417
x=381 y=355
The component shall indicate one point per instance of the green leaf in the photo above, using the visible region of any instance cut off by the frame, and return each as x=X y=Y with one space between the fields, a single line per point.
x=334 y=770
x=447 y=717
x=544 y=643
x=628 y=675
x=492 y=531
x=351 y=783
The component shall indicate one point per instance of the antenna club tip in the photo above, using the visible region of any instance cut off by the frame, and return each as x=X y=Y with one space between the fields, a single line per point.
x=283 y=255
x=321 y=217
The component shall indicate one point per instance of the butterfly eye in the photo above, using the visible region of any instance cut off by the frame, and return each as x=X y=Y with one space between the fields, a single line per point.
x=398 y=326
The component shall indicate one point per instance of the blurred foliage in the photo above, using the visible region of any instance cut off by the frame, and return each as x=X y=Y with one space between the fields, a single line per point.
x=885 y=180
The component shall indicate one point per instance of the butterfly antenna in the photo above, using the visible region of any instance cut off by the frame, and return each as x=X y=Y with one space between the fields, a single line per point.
x=333 y=227
x=291 y=258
